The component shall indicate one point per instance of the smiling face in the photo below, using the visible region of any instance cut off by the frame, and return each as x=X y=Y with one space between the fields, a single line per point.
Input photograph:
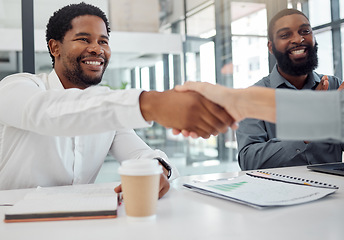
x=294 y=45
x=82 y=57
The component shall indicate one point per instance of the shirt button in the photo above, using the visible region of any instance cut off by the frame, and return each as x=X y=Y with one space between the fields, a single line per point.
x=298 y=150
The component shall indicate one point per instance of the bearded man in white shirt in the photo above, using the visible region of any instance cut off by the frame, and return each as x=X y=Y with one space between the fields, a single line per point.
x=57 y=128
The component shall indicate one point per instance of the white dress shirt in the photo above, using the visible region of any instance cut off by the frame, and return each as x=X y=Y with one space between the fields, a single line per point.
x=53 y=136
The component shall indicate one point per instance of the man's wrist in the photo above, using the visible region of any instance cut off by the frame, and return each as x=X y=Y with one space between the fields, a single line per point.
x=146 y=101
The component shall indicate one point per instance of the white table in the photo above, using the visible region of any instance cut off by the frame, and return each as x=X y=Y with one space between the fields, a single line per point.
x=183 y=214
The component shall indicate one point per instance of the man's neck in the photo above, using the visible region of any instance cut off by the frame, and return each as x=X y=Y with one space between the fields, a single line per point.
x=297 y=81
x=65 y=82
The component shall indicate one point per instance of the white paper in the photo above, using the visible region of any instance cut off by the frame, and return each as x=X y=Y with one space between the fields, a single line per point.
x=260 y=192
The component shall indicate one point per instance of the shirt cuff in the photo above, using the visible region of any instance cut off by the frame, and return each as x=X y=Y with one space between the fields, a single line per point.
x=131 y=112
x=308 y=115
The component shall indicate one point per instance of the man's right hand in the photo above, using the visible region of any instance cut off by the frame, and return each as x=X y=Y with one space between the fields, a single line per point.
x=189 y=111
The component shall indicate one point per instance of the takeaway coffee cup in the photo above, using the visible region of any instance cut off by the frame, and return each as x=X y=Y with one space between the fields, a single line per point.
x=140 y=185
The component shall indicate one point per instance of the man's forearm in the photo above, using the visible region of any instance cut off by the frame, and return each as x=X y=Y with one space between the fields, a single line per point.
x=252 y=102
x=261 y=103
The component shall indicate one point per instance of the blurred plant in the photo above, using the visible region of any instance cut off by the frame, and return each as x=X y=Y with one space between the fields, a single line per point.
x=123 y=85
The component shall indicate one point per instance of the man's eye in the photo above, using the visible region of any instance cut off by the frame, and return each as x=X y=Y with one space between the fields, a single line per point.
x=104 y=42
x=284 y=36
x=83 y=39
x=306 y=32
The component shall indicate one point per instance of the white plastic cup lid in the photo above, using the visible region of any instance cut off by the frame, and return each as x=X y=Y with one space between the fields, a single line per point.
x=140 y=167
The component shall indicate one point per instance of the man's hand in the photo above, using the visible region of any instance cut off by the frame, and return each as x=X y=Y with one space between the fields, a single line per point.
x=164 y=185
x=341 y=87
x=323 y=85
x=185 y=110
x=252 y=102
x=163 y=189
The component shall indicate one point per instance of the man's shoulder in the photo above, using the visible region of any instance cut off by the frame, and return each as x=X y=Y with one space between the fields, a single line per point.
x=36 y=78
x=264 y=82
x=330 y=77
x=333 y=80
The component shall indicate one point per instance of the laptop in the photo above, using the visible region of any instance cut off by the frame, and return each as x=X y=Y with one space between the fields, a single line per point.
x=332 y=168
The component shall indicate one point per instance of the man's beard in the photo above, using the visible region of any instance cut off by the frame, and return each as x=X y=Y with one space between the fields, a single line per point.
x=76 y=75
x=297 y=69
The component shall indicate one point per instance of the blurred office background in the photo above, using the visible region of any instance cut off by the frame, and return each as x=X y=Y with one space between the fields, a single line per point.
x=157 y=44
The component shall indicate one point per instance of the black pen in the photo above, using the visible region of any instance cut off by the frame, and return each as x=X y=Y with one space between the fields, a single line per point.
x=119 y=198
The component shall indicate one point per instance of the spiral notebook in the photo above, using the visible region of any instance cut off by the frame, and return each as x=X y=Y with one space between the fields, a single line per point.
x=261 y=189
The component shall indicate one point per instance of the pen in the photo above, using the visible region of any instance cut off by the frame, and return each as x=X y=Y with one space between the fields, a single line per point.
x=119 y=198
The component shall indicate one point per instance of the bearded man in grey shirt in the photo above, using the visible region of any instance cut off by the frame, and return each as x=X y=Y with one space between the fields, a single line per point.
x=292 y=42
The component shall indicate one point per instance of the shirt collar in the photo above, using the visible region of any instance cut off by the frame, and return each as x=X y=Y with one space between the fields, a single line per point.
x=276 y=80
x=54 y=81
x=313 y=80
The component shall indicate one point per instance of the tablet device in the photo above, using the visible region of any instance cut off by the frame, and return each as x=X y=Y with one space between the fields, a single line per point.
x=332 y=168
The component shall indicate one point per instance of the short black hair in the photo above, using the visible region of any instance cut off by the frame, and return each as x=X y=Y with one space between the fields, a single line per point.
x=60 y=22
x=284 y=12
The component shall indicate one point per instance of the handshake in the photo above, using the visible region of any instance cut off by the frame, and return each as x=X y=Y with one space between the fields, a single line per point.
x=199 y=109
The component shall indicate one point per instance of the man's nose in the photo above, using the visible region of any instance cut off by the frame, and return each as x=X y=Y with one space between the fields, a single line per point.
x=298 y=39
x=95 y=48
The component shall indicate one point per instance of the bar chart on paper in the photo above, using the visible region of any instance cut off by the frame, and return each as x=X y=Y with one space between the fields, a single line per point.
x=259 y=192
x=227 y=187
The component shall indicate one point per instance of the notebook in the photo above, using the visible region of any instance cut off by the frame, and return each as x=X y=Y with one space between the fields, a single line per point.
x=261 y=189
x=65 y=203
x=332 y=168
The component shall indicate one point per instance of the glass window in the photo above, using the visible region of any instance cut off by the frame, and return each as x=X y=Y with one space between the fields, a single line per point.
x=325 y=52
x=137 y=78
x=192 y=68
x=159 y=76
x=177 y=27
x=11 y=37
x=202 y=24
x=200 y=66
x=250 y=60
x=207 y=62
x=248 y=19
x=171 y=70
x=342 y=44
x=194 y=4
x=145 y=78
x=249 y=44
x=341 y=8
x=319 y=12
x=200 y=60
x=293 y=4
x=10 y=14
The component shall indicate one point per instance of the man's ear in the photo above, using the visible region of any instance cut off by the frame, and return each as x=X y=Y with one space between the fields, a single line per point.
x=54 y=47
x=270 y=47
